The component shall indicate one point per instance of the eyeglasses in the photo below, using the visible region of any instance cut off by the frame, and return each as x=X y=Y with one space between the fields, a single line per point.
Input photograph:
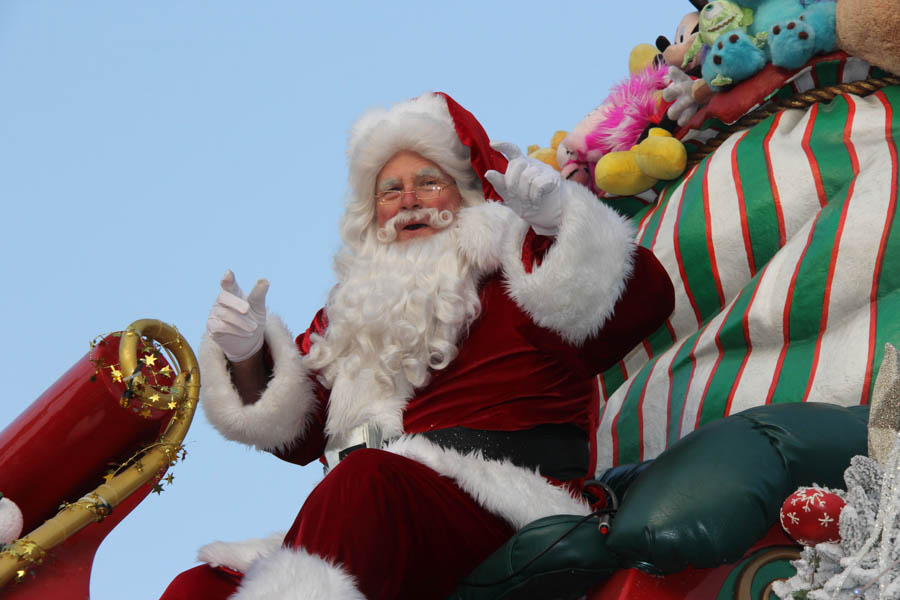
x=427 y=191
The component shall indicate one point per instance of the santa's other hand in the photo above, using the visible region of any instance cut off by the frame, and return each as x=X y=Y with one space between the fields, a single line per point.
x=237 y=321
x=531 y=188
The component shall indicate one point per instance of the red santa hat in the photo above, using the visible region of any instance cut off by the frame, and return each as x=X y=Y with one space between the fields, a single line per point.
x=434 y=126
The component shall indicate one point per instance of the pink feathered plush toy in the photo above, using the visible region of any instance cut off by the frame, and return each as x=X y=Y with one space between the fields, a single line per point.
x=618 y=124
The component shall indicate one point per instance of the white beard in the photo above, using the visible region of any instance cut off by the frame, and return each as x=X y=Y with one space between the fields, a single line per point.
x=396 y=314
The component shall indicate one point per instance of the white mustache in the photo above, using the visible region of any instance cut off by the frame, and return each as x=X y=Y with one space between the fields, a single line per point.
x=438 y=219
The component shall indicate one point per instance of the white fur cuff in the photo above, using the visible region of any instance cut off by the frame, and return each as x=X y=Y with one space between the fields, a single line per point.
x=11 y=520
x=288 y=574
x=281 y=415
x=239 y=556
x=583 y=274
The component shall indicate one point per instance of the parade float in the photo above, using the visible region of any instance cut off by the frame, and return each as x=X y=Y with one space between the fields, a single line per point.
x=745 y=449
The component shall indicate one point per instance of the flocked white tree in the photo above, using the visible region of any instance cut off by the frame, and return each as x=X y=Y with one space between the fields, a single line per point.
x=866 y=562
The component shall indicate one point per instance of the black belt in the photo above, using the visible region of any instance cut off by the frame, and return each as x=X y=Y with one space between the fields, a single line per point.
x=559 y=451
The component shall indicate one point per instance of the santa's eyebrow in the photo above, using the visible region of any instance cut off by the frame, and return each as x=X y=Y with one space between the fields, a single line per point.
x=386 y=184
x=430 y=172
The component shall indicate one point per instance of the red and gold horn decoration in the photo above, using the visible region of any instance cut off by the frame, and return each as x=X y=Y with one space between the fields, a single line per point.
x=86 y=452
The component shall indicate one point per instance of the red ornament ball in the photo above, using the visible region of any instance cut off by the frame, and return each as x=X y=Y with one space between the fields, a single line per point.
x=810 y=516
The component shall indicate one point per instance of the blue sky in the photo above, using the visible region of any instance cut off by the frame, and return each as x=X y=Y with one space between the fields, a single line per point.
x=145 y=147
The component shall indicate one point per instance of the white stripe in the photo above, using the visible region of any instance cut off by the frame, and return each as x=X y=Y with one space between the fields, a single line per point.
x=683 y=320
x=706 y=353
x=642 y=230
x=803 y=79
x=765 y=323
x=725 y=222
x=655 y=409
x=843 y=359
x=792 y=172
x=656 y=403
x=604 y=429
x=700 y=135
x=636 y=359
x=648 y=196
x=653 y=421
x=855 y=69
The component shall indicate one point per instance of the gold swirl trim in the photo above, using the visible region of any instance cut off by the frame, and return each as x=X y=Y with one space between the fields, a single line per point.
x=18 y=556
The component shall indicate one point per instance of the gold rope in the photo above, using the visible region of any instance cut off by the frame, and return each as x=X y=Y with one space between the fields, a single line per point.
x=802 y=100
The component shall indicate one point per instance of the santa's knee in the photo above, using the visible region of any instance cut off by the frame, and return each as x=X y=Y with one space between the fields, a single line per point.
x=366 y=477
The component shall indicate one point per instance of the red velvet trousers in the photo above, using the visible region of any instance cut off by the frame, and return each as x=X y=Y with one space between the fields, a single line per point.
x=399 y=528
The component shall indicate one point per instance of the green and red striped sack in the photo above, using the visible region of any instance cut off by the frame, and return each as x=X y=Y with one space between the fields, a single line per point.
x=784 y=251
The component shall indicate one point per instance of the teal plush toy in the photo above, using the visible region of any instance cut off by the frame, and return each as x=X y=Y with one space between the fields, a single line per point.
x=794 y=30
x=786 y=33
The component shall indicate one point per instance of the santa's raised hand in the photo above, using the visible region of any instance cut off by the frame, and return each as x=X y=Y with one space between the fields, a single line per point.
x=237 y=321
x=530 y=188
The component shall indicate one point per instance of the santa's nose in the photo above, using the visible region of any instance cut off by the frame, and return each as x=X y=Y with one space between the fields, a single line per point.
x=409 y=200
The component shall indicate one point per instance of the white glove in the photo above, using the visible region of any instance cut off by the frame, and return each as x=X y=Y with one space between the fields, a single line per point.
x=681 y=91
x=529 y=187
x=237 y=322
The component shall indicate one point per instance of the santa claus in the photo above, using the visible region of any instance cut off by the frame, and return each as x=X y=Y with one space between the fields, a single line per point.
x=449 y=383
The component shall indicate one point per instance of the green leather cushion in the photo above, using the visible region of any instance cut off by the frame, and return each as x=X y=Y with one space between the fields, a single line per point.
x=708 y=498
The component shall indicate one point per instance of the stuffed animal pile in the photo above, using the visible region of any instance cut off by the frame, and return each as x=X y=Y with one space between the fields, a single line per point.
x=625 y=145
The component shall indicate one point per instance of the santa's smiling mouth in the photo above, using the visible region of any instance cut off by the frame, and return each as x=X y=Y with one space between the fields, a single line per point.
x=414 y=226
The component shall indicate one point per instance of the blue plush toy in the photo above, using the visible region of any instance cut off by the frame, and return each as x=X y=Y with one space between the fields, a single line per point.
x=786 y=33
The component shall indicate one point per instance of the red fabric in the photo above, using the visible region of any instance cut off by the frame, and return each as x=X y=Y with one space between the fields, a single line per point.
x=202 y=583
x=534 y=248
x=473 y=136
x=401 y=529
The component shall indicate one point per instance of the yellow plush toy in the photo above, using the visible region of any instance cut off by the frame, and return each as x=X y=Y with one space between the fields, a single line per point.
x=659 y=157
x=548 y=155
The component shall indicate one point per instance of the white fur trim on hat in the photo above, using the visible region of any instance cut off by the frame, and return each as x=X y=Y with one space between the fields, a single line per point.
x=294 y=574
x=514 y=493
x=584 y=272
x=11 y=521
x=281 y=415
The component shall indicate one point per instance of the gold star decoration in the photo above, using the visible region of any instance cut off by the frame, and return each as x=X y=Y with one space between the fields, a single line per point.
x=154 y=398
x=116 y=374
x=172 y=405
x=149 y=360
x=169 y=478
x=157 y=489
x=165 y=370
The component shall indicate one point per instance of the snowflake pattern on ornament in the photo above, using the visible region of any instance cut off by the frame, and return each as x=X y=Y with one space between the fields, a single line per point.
x=807 y=496
x=810 y=515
